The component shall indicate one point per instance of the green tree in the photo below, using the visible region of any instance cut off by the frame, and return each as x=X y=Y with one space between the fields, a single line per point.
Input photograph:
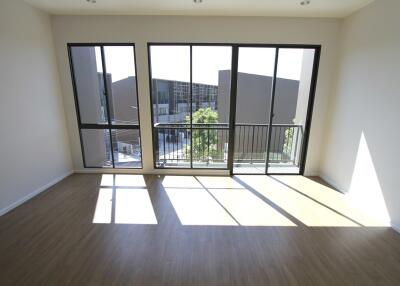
x=204 y=141
x=288 y=143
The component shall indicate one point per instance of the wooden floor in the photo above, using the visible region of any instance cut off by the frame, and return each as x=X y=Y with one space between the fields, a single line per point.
x=52 y=240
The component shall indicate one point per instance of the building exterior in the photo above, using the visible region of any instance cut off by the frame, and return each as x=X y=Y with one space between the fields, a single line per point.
x=171 y=99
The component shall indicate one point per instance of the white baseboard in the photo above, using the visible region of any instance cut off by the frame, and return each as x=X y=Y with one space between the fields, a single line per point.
x=34 y=193
x=395 y=227
x=188 y=172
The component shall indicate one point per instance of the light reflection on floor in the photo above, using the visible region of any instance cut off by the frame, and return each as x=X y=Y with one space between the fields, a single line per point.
x=208 y=200
x=242 y=200
x=124 y=199
x=196 y=206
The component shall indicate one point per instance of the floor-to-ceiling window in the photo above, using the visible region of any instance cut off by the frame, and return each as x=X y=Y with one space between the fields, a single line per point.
x=254 y=84
x=245 y=108
x=273 y=104
x=291 y=109
x=190 y=95
x=105 y=88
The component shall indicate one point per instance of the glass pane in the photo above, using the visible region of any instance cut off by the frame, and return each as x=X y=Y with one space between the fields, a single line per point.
x=89 y=84
x=97 y=147
x=126 y=148
x=254 y=83
x=210 y=104
x=170 y=69
x=290 y=109
x=121 y=84
x=172 y=147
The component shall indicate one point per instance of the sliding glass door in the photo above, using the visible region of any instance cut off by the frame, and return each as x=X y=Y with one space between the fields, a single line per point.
x=242 y=108
x=253 y=97
x=275 y=88
x=290 y=105
x=190 y=95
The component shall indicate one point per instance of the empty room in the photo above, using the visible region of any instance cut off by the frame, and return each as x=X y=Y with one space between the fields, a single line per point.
x=199 y=142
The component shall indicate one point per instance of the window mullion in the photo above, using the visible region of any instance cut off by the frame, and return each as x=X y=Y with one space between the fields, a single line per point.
x=271 y=112
x=103 y=62
x=191 y=109
x=232 y=109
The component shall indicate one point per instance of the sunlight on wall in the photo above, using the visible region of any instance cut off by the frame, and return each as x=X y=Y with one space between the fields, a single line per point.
x=124 y=199
x=302 y=208
x=365 y=191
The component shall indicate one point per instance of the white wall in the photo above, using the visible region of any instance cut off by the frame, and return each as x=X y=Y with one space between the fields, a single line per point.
x=143 y=29
x=362 y=142
x=34 y=149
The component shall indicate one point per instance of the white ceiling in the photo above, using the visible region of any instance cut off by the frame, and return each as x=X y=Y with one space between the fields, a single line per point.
x=285 y=8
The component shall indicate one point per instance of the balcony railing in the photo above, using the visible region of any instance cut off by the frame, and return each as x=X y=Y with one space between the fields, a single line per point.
x=210 y=144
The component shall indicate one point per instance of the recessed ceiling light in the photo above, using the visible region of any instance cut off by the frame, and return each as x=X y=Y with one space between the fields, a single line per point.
x=305 y=2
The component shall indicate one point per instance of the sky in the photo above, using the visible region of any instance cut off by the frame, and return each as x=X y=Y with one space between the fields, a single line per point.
x=173 y=62
x=120 y=61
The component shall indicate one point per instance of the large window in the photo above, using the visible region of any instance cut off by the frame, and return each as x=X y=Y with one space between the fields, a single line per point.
x=190 y=92
x=242 y=107
x=105 y=88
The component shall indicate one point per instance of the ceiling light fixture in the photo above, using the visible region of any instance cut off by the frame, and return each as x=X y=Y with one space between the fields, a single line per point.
x=305 y=2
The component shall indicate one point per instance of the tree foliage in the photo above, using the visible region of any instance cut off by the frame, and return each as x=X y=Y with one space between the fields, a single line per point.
x=204 y=140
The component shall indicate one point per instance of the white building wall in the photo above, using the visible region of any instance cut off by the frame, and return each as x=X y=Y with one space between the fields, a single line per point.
x=34 y=150
x=361 y=147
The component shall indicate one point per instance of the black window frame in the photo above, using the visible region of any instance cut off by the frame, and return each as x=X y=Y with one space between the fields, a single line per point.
x=233 y=94
x=109 y=125
x=191 y=85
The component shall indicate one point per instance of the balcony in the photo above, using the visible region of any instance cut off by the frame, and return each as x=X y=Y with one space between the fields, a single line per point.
x=210 y=147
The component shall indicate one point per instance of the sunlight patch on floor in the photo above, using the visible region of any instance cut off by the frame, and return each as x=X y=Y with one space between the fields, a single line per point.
x=133 y=206
x=107 y=180
x=331 y=198
x=124 y=199
x=242 y=200
x=216 y=182
x=302 y=208
x=248 y=209
x=180 y=182
x=197 y=207
x=103 y=210
x=135 y=181
x=213 y=200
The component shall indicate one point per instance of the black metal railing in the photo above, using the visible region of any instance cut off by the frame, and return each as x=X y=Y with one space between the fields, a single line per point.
x=210 y=143
x=251 y=143
x=131 y=146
